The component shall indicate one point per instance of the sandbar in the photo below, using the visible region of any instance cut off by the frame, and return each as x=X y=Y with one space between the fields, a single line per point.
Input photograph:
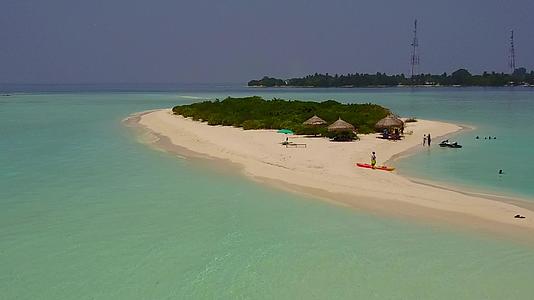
x=326 y=170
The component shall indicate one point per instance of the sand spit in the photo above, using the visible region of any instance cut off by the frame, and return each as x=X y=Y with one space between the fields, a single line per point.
x=327 y=170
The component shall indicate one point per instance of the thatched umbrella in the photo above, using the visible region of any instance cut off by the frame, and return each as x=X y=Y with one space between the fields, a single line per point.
x=341 y=125
x=390 y=122
x=314 y=121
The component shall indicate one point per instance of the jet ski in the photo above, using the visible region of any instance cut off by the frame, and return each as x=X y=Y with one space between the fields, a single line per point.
x=448 y=144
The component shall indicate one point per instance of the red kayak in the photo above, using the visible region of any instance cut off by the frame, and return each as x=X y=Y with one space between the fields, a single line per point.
x=368 y=166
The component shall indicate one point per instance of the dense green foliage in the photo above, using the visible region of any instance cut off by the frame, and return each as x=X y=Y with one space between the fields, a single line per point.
x=257 y=113
x=341 y=136
x=267 y=81
x=460 y=77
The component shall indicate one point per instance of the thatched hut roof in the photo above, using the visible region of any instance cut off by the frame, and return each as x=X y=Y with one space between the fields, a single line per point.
x=315 y=120
x=390 y=121
x=341 y=125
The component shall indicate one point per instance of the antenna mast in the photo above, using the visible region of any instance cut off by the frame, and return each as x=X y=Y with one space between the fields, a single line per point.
x=415 y=55
x=512 y=53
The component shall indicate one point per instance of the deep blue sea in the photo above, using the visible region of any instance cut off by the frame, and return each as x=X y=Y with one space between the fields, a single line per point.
x=89 y=212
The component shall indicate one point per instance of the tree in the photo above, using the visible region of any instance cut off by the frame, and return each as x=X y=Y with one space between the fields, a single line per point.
x=461 y=77
x=520 y=72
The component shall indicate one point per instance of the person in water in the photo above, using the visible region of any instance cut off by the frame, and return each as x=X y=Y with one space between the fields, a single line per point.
x=424 y=140
x=428 y=139
x=501 y=172
x=373 y=160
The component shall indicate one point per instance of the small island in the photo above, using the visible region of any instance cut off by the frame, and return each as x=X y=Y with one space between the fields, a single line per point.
x=257 y=113
x=318 y=167
x=461 y=77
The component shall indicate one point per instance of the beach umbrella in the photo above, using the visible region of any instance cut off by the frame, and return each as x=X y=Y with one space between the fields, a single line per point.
x=341 y=125
x=390 y=121
x=314 y=121
x=285 y=131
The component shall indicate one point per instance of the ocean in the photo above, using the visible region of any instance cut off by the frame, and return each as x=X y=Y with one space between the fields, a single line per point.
x=87 y=211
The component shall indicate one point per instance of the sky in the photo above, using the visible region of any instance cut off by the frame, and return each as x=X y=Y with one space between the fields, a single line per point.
x=233 y=41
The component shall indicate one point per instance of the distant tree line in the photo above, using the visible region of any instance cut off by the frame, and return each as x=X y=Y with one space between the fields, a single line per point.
x=257 y=113
x=460 y=77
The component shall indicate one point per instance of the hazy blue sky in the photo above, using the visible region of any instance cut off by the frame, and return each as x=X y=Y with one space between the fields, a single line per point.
x=133 y=41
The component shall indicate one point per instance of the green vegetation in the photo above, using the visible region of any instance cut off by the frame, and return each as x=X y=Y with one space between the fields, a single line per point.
x=267 y=81
x=257 y=113
x=341 y=136
x=460 y=77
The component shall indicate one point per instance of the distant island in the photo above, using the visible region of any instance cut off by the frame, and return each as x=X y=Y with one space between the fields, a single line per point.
x=257 y=113
x=461 y=77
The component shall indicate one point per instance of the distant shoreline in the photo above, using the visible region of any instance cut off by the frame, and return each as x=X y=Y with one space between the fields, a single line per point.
x=389 y=86
x=458 y=78
x=313 y=171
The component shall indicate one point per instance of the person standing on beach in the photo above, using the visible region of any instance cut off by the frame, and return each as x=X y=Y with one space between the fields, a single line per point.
x=428 y=139
x=373 y=160
x=424 y=140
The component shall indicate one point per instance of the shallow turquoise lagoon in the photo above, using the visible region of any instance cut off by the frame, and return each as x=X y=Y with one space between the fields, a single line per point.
x=88 y=212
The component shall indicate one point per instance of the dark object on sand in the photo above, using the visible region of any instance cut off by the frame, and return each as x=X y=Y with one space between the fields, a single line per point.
x=519 y=217
x=448 y=144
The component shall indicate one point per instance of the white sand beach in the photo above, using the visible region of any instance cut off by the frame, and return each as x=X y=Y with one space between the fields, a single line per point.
x=327 y=170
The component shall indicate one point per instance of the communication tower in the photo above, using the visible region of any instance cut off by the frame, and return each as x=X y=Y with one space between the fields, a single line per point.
x=415 y=51
x=512 y=53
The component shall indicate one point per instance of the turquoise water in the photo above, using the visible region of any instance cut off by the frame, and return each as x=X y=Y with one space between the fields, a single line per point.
x=88 y=212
